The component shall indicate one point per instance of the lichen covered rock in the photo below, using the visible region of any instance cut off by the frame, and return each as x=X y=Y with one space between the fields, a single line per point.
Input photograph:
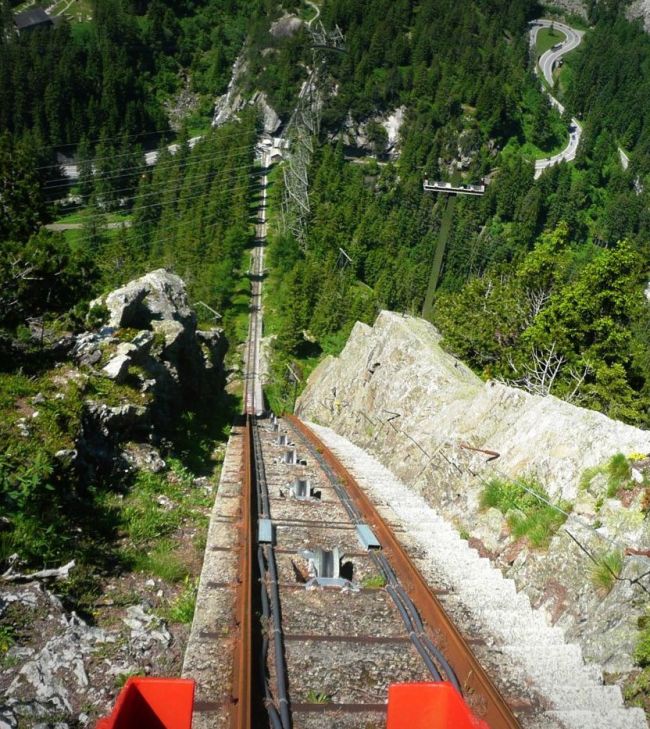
x=396 y=393
x=158 y=295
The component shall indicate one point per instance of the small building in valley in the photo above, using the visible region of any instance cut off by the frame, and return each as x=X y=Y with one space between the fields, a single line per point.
x=31 y=19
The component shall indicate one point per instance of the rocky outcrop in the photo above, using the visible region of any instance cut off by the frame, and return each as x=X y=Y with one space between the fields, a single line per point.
x=157 y=296
x=165 y=367
x=636 y=10
x=640 y=9
x=376 y=135
x=572 y=7
x=230 y=104
x=396 y=393
x=175 y=363
x=286 y=26
x=69 y=666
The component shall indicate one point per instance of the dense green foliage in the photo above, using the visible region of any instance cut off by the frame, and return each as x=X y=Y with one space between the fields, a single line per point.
x=542 y=281
x=111 y=76
x=190 y=213
x=422 y=55
x=611 y=85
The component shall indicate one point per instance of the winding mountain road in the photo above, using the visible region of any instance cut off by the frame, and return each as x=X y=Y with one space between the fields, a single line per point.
x=546 y=64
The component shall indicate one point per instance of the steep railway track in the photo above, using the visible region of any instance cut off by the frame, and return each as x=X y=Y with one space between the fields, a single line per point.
x=330 y=610
x=325 y=655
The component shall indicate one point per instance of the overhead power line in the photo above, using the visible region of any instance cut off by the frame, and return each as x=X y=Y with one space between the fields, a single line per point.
x=141 y=235
x=167 y=189
x=127 y=154
x=189 y=197
x=192 y=160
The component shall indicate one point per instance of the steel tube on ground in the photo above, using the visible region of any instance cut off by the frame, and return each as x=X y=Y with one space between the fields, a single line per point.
x=413 y=636
x=268 y=699
x=275 y=613
x=280 y=667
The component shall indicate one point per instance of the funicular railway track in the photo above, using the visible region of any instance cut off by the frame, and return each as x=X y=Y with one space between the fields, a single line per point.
x=330 y=609
x=326 y=655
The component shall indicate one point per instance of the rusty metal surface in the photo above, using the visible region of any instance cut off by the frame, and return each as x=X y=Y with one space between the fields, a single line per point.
x=480 y=693
x=240 y=714
x=493 y=454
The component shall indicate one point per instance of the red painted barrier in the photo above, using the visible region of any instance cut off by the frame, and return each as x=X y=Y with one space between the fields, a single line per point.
x=429 y=706
x=152 y=703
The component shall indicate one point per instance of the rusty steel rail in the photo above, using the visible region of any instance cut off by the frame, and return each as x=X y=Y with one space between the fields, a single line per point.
x=241 y=706
x=480 y=693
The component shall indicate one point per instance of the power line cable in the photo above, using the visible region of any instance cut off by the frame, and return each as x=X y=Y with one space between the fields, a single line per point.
x=164 y=191
x=189 y=197
x=67 y=181
x=167 y=130
x=143 y=234
x=144 y=152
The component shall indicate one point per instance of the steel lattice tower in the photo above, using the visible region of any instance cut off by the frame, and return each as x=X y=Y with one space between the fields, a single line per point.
x=301 y=130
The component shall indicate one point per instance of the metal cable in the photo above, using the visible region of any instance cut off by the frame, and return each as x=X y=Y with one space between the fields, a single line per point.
x=435 y=653
x=280 y=668
x=271 y=570
x=268 y=699
x=413 y=636
x=410 y=615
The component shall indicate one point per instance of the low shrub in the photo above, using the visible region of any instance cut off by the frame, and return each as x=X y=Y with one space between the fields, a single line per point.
x=530 y=513
x=182 y=609
x=619 y=473
x=606 y=570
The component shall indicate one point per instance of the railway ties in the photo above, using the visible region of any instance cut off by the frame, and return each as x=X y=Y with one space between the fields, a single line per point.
x=342 y=645
x=330 y=653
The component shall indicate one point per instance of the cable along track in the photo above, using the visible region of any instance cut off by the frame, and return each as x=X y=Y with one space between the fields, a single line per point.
x=326 y=655
x=330 y=610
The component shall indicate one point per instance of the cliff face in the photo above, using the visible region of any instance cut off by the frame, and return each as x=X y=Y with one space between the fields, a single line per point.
x=394 y=392
x=640 y=9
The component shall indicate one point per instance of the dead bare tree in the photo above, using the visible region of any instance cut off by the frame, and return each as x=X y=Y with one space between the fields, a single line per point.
x=18 y=270
x=541 y=372
x=578 y=378
x=536 y=300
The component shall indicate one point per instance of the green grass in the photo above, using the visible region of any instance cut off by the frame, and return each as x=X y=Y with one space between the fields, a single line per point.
x=157 y=505
x=81 y=216
x=642 y=650
x=619 y=473
x=7 y=638
x=637 y=690
x=317 y=697
x=374 y=582
x=564 y=75
x=605 y=571
x=182 y=609
x=198 y=125
x=162 y=561
x=527 y=514
x=530 y=151
x=588 y=475
x=546 y=39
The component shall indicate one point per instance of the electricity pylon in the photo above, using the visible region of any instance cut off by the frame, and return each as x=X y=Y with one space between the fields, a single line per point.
x=301 y=130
